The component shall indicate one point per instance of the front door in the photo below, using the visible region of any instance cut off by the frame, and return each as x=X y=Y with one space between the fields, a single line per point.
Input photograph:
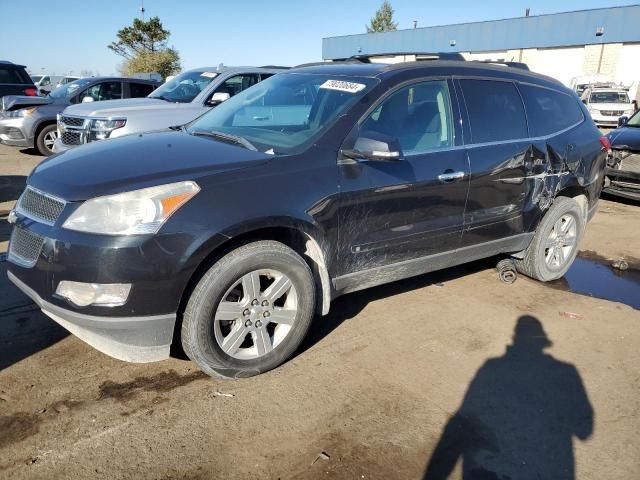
x=395 y=213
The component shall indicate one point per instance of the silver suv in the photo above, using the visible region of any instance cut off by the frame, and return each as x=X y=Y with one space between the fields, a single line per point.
x=176 y=102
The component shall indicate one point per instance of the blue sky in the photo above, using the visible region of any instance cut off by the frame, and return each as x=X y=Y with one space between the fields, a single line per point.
x=59 y=37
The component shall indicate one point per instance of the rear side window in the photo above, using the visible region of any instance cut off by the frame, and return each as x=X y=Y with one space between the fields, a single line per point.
x=549 y=111
x=13 y=75
x=138 y=90
x=495 y=110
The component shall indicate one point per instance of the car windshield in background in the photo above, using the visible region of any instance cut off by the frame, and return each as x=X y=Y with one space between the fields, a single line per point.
x=70 y=89
x=284 y=112
x=609 y=97
x=185 y=87
x=36 y=78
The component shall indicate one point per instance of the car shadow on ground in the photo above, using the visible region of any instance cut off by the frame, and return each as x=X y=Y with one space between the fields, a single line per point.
x=349 y=306
x=518 y=417
x=31 y=151
x=24 y=329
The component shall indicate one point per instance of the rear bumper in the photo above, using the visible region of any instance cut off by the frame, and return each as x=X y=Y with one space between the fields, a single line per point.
x=131 y=339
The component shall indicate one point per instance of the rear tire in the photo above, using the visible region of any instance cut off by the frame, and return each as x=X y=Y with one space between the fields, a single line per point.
x=250 y=311
x=45 y=140
x=555 y=244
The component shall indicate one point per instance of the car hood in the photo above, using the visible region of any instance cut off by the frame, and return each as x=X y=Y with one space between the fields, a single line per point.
x=14 y=102
x=137 y=161
x=626 y=138
x=127 y=107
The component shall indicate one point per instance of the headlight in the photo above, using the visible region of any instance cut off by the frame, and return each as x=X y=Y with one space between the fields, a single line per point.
x=23 y=112
x=102 y=128
x=594 y=111
x=131 y=213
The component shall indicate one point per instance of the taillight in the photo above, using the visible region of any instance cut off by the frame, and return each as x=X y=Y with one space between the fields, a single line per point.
x=606 y=144
x=31 y=92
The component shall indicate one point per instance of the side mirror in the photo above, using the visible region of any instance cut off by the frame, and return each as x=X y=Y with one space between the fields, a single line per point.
x=623 y=120
x=375 y=146
x=217 y=98
x=87 y=100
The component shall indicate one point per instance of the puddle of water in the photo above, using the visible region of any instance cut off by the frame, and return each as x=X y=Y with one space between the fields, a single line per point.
x=594 y=276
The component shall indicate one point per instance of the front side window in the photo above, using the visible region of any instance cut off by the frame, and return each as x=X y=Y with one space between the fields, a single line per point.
x=237 y=84
x=548 y=110
x=185 y=87
x=285 y=112
x=104 y=91
x=418 y=116
x=609 y=97
x=495 y=110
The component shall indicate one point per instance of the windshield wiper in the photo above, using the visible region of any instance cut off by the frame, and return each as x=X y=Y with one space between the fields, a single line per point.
x=227 y=138
x=176 y=128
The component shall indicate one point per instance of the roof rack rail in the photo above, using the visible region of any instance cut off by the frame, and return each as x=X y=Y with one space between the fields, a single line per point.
x=520 y=65
x=420 y=56
x=275 y=67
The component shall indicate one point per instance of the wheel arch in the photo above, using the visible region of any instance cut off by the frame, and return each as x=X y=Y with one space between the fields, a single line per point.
x=304 y=238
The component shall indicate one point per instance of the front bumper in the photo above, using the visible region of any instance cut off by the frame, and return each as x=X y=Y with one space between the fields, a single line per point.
x=622 y=183
x=59 y=146
x=132 y=339
x=14 y=133
x=157 y=267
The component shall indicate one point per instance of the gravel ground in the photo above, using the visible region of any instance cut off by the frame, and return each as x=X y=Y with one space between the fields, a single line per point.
x=417 y=379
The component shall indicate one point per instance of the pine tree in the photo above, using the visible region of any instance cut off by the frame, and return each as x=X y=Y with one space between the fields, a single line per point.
x=383 y=21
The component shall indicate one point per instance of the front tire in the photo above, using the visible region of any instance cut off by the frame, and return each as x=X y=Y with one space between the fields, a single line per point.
x=250 y=311
x=555 y=244
x=45 y=140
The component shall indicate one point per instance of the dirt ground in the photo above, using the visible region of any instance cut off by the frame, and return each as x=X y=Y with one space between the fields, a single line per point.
x=416 y=379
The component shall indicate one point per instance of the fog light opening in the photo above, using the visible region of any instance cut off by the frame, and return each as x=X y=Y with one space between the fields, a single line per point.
x=103 y=294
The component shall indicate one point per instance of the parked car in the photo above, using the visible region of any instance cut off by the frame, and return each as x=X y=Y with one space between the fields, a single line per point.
x=67 y=79
x=45 y=83
x=29 y=122
x=231 y=232
x=14 y=80
x=176 y=102
x=580 y=83
x=623 y=165
x=607 y=104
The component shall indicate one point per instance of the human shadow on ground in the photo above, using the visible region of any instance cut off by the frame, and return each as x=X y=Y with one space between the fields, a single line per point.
x=519 y=416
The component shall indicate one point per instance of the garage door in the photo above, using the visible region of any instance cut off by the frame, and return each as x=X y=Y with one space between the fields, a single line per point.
x=560 y=63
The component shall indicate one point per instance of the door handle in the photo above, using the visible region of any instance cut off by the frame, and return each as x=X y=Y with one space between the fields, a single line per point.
x=450 y=176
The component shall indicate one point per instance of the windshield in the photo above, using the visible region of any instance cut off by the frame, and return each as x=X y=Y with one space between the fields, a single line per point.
x=36 y=78
x=634 y=121
x=609 y=97
x=69 y=90
x=285 y=111
x=185 y=87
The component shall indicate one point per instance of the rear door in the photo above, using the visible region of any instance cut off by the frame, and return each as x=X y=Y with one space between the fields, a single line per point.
x=499 y=153
x=409 y=209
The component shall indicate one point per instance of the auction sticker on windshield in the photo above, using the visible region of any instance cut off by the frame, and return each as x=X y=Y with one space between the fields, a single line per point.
x=208 y=74
x=343 y=86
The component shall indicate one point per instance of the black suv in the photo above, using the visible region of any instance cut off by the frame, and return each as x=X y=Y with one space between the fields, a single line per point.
x=14 y=80
x=231 y=232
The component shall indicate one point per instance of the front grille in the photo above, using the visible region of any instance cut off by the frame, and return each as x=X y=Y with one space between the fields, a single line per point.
x=40 y=206
x=612 y=113
x=71 y=137
x=24 y=247
x=630 y=162
x=72 y=121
